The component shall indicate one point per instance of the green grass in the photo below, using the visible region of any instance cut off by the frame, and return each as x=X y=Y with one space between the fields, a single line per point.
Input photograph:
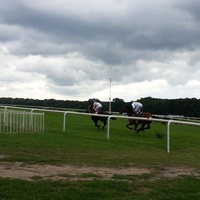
x=178 y=189
x=83 y=144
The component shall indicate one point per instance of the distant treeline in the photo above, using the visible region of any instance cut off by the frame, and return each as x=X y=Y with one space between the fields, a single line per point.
x=186 y=107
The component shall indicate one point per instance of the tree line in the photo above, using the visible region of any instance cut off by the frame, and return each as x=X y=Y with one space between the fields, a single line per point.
x=189 y=107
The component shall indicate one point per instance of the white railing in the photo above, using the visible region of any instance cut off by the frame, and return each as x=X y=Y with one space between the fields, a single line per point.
x=20 y=121
x=168 y=122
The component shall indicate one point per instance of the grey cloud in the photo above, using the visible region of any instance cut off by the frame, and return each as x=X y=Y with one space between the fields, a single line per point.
x=71 y=44
x=190 y=7
x=69 y=33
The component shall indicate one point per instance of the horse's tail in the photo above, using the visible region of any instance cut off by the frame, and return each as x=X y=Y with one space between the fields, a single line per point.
x=155 y=117
x=158 y=117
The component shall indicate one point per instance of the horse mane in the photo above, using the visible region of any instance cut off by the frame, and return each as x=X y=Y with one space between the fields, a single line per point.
x=129 y=108
x=90 y=108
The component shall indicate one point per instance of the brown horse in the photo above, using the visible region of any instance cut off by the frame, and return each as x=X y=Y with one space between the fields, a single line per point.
x=97 y=118
x=128 y=110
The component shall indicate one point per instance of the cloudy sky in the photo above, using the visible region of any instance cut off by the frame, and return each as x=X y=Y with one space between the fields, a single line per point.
x=71 y=49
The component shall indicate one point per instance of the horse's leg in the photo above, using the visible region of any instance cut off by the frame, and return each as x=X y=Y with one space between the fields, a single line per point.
x=105 y=123
x=131 y=123
x=142 y=128
x=104 y=120
x=95 y=120
x=136 y=125
x=128 y=126
x=148 y=126
x=97 y=125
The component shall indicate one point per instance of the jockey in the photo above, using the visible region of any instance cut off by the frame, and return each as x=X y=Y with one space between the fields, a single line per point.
x=137 y=107
x=97 y=106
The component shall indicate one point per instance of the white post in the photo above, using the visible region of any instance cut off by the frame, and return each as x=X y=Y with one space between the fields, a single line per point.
x=64 y=121
x=108 y=128
x=110 y=97
x=168 y=136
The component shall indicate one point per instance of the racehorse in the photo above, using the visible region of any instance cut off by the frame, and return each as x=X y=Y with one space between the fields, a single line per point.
x=128 y=110
x=97 y=118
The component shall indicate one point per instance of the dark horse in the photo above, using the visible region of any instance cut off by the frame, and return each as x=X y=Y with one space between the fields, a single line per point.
x=128 y=110
x=97 y=118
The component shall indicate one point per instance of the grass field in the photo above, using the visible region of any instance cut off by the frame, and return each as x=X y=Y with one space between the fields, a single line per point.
x=84 y=145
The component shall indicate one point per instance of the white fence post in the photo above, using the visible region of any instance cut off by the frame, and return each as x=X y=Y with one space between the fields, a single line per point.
x=64 y=121
x=168 y=136
x=108 y=128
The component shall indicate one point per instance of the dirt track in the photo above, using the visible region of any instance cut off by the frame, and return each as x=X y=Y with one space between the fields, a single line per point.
x=23 y=171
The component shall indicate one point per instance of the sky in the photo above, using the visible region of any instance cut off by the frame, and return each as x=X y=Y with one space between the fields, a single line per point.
x=82 y=49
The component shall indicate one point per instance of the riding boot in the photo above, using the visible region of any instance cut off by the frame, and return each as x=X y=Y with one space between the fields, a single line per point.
x=135 y=115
